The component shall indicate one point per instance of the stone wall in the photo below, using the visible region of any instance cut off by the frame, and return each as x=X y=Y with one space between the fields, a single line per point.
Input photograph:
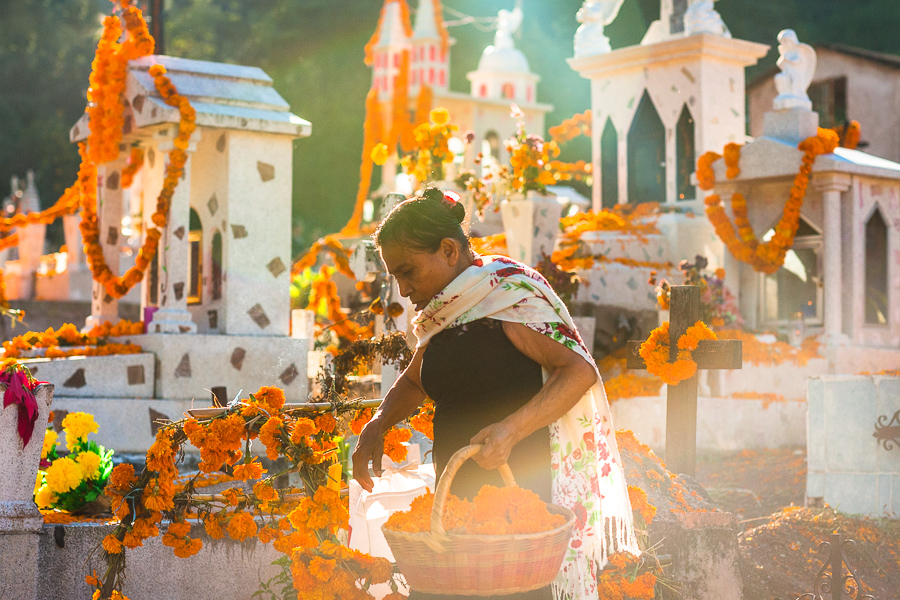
x=125 y=375
x=222 y=569
x=849 y=468
x=722 y=423
x=188 y=366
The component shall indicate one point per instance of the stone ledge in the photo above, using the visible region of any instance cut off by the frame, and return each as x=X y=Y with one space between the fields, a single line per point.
x=222 y=569
x=189 y=366
x=126 y=375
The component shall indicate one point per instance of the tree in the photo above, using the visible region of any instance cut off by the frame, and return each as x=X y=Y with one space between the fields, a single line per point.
x=46 y=48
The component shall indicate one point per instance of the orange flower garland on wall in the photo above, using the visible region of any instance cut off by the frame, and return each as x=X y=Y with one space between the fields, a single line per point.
x=655 y=352
x=765 y=257
x=578 y=124
x=119 y=286
x=135 y=162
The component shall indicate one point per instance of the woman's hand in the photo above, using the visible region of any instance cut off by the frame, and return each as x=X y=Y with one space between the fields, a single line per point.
x=401 y=400
x=369 y=448
x=497 y=442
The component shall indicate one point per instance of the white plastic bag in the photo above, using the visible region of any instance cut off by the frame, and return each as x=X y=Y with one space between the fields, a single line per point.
x=393 y=492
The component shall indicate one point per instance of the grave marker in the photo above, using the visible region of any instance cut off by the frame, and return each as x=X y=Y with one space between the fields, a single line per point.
x=681 y=399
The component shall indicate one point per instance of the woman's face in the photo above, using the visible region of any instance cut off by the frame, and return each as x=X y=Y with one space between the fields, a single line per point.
x=421 y=275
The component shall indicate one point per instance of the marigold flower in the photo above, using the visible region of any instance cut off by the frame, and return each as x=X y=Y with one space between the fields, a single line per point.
x=188 y=548
x=122 y=476
x=380 y=154
x=265 y=492
x=111 y=544
x=77 y=427
x=89 y=463
x=268 y=398
x=213 y=526
x=303 y=427
x=63 y=475
x=44 y=498
x=326 y=423
x=233 y=496
x=268 y=534
x=50 y=438
x=321 y=568
x=393 y=443
x=242 y=526
x=439 y=116
x=268 y=435
x=360 y=419
x=251 y=470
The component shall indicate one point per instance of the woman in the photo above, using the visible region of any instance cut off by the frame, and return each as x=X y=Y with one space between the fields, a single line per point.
x=498 y=354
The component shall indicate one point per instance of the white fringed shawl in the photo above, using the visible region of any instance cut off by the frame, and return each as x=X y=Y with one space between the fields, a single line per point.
x=587 y=472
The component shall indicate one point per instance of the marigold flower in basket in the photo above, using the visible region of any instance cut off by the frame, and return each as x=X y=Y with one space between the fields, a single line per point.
x=494 y=511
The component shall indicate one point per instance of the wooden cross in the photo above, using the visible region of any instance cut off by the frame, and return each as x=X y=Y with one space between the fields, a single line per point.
x=681 y=399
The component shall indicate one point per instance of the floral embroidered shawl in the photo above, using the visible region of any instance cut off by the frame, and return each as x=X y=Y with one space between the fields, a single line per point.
x=587 y=472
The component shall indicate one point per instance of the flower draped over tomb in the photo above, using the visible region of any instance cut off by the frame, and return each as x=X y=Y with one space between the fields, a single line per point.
x=586 y=469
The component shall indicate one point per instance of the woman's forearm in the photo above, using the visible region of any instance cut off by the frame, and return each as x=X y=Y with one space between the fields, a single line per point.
x=562 y=390
x=399 y=403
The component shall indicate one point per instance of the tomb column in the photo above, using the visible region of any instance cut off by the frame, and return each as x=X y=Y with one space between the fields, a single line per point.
x=173 y=254
x=831 y=185
x=109 y=220
x=21 y=523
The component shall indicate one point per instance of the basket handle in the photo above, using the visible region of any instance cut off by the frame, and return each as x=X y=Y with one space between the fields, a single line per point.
x=443 y=488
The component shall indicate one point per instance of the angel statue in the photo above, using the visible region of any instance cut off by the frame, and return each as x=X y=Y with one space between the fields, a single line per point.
x=594 y=15
x=798 y=64
x=701 y=17
x=508 y=22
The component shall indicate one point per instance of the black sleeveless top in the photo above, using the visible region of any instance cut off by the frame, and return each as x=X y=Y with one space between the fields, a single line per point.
x=476 y=377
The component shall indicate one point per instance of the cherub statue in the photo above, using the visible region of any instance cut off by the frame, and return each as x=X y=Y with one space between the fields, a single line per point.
x=594 y=15
x=508 y=22
x=798 y=64
x=701 y=17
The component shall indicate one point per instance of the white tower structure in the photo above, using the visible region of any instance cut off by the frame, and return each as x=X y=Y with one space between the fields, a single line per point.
x=430 y=45
x=503 y=72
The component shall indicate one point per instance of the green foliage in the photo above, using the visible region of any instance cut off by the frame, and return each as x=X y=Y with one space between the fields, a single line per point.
x=46 y=47
x=301 y=286
x=89 y=489
x=268 y=590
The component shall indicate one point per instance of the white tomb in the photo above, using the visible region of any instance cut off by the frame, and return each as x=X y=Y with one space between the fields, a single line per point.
x=217 y=296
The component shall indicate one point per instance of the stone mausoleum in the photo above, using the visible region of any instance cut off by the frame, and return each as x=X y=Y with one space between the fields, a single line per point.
x=216 y=299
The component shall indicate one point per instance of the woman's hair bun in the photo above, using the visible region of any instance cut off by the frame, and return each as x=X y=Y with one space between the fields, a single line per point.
x=455 y=207
x=459 y=212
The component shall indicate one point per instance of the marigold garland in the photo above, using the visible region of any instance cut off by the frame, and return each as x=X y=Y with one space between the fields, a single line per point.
x=374 y=134
x=135 y=162
x=324 y=299
x=404 y=20
x=329 y=244
x=571 y=128
x=765 y=257
x=93 y=343
x=119 y=286
x=300 y=523
x=655 y=352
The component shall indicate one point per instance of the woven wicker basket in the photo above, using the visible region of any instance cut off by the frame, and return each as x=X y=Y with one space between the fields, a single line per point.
x=437 y=562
